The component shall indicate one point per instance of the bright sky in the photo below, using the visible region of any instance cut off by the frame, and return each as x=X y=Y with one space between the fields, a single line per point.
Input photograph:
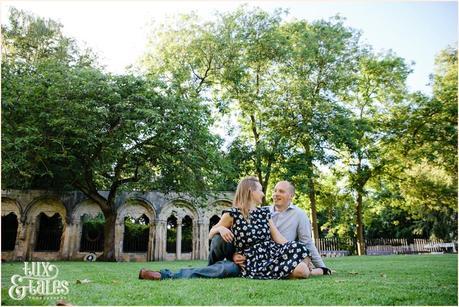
x=118 y=30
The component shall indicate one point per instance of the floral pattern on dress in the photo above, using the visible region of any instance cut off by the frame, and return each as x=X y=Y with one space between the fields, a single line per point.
x=265 y=259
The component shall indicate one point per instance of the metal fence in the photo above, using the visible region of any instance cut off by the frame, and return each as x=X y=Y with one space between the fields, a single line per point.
x=136 y=243
x=49 y=233
x=92 y=240
x=333 y=247
x=49 y=240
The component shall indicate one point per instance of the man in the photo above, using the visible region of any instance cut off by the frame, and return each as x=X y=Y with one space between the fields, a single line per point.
x=292 y=223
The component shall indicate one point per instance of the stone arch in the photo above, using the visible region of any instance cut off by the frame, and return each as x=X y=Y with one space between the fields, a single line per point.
x=91 y=209
x=179 y=208
x=135 y=208
x=12 y=228
x=10 y=205
x=214 y=219
x=214 y=208
x=88 y=207
x=49 y=206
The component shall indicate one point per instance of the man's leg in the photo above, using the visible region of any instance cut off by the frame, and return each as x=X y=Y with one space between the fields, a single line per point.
x=220 y=269
x=220 y=250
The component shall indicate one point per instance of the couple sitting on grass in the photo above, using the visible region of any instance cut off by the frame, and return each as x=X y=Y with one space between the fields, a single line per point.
x=271 y=242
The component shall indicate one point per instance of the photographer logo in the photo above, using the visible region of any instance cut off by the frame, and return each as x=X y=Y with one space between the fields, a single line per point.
x=39 y=280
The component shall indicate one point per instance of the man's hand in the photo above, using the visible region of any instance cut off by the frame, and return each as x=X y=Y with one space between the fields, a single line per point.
x=239 y=260
x=226 y=234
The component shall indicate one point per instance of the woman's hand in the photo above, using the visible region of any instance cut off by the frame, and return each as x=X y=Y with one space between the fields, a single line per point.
x=226 y=234
x=226 y=221
x=239 y=260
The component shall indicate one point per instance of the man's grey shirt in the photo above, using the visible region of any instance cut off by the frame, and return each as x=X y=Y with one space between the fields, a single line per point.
x=294 y=225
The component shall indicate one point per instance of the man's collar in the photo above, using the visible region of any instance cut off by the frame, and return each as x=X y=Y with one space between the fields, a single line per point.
x=273 y=207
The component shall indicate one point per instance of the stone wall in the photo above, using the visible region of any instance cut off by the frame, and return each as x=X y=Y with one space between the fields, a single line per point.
x=27 y=206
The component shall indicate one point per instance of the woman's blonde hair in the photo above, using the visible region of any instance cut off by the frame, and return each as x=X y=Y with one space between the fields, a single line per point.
x=243 y=197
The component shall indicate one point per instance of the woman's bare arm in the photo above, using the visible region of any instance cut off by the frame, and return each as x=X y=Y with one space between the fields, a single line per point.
x=275 y=234
x=222 y=228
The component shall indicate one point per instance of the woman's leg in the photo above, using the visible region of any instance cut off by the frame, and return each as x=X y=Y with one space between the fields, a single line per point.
x=300 y=271
x=314 y=271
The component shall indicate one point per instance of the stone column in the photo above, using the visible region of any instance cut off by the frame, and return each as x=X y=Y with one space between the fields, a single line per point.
x=119 y=237
x=151 y=242
x=160 y=239
x=70 y=240
x=76 y=234
x=65 y=239
x=31 y=238
x=20 y=248
x=178 y=251
x=203 y=239
x=195 y=240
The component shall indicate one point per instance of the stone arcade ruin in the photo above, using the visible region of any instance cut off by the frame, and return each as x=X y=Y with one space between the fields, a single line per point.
x=43 y=225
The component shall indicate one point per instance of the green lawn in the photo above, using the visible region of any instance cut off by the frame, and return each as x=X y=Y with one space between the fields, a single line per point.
x=369 y=280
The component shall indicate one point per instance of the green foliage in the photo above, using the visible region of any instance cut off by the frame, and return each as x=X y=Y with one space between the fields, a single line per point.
x=72 y=126
x=423 y=153
x=93 y=225
x=312 y=104
x=134 y=229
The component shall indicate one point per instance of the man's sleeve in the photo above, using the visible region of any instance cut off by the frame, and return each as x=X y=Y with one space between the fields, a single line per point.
x=304 y=235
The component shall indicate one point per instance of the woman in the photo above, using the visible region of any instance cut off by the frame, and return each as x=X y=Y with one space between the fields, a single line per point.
x=268 y=254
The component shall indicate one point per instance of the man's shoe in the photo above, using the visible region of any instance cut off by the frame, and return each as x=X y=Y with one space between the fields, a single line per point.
x=147 y=274
x=326 y=271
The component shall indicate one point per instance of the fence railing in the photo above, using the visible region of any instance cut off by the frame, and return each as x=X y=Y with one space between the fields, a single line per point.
x=332 y=247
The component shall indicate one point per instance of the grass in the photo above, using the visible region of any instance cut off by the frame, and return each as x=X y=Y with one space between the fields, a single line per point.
x=368 y=280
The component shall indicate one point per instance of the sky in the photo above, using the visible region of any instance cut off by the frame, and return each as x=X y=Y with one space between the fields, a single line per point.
x=118 y=30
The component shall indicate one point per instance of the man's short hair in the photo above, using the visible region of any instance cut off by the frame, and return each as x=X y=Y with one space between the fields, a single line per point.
x=291 y=187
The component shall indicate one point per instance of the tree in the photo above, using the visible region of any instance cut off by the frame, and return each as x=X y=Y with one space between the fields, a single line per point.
x=317 y=66
x=230 y=62
x=378 y=86
x=424 y=151
x=68 y=125
x=247 y=84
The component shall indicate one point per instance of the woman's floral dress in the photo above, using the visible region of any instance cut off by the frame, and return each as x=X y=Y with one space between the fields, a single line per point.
x=265 y=259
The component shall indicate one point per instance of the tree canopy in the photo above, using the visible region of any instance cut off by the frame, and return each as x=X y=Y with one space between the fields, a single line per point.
x=312 y=104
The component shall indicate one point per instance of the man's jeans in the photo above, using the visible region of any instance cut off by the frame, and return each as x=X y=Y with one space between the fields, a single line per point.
x=217 y=266
x=220 y=250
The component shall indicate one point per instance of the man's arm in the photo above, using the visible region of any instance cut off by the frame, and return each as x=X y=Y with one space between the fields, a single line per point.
x=304 y=235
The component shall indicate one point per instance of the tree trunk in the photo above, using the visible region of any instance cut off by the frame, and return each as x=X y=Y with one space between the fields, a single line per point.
x=312 y=200
x=312 y=192
x=109 y=236
x=360 y=238
x=108 y=210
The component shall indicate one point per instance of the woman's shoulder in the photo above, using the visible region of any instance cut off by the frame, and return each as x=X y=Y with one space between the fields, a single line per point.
x=265 y=211
x=233 y=212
